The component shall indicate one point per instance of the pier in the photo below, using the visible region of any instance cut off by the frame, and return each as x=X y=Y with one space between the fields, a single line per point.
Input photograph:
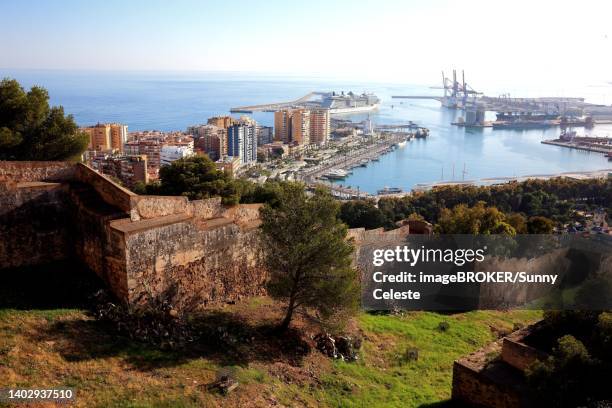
x=272 y=107
x=341 y=192
x=354 y=159
x=507 y=104
x=397 y=127
x=589 y=147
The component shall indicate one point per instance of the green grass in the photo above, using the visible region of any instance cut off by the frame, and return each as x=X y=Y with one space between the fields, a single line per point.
x=120 y=373
x=380 y=379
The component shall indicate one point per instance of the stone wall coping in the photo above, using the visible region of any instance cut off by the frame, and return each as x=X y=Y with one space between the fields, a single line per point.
x=14 y=171
x=107 y=179
x=37 y=184
x=477 y=360
x=517 y=353
x=167 y=197
x=127 y=226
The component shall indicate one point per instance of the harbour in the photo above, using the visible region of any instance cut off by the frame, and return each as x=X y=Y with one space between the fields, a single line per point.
x=486 y=152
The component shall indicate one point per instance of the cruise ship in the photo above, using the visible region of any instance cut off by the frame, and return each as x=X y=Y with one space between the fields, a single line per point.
x=349 y=102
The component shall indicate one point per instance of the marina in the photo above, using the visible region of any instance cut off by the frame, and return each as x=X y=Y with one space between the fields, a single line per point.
x=340 y=167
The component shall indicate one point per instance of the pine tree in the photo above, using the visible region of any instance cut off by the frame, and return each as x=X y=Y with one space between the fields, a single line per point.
x=32 y=130
x=307 y=254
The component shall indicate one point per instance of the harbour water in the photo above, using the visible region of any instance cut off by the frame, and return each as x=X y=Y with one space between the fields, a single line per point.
x=173 y=101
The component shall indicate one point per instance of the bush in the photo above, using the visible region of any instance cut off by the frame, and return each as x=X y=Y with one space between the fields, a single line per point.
x=563 y=379
x=443 y=326
x=409 y=355
x=594 y=294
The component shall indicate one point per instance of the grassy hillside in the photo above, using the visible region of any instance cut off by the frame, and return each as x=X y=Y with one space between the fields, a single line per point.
x=65 y=347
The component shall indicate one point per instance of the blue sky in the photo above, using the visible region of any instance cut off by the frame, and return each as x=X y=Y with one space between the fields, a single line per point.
x=386 y=39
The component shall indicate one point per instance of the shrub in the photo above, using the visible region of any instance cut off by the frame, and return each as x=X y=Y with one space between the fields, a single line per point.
x=443 y=326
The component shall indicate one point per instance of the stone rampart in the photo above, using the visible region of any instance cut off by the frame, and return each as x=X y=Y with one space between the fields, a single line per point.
x=32 y=224
x=494 y=376
x=13 y=172
x=142 y=246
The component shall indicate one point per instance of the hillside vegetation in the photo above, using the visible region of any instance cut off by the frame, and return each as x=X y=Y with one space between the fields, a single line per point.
x=67 y=347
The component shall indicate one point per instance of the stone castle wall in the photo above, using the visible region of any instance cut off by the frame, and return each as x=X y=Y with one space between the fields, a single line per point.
x=32 y=228
x=13 y=172
x=494 y=376
x=143 y=247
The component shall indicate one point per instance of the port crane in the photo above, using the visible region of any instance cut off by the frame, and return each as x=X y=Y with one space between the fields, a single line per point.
x=456 y=93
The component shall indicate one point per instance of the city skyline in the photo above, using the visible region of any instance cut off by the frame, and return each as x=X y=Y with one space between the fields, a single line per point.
x=398 y=41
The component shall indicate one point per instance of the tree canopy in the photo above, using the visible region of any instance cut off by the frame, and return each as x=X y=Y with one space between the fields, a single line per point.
x=478 y=219
x=554 y=200
x=32 y=130
x=307 y=254
x=195 y=177
x=362 y=213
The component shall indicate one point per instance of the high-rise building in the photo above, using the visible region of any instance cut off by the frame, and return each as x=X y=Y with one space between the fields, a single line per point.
x=319 y=126
x=106 y=136
x=119 y=135
x=211 y=139
x=292 y=126
x=242 y=142
x=222 y=121
x=282 y=126
x=151 y=148
x=300 y=126
x=99 y=137
x=265 y=135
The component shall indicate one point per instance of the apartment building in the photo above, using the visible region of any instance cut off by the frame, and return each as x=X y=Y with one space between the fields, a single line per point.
x=242 y=142
x=210 y=139
x=106 y=136
x=292 y=126
x=319 y=126
x=128 y=169
x=222 y=121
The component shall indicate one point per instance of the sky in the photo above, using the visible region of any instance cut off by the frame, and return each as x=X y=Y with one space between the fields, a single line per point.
x=408 y=41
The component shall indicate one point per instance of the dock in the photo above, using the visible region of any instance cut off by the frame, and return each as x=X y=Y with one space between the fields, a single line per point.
x=354 y=159
x=580 y=146
x=272 y=107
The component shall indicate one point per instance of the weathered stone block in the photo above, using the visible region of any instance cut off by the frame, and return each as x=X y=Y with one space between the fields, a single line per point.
x=160 y=206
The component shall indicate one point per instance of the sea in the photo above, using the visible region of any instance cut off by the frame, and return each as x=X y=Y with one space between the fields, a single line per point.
x=175 y=100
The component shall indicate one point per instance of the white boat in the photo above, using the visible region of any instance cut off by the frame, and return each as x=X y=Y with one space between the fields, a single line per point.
x=389 y=190
x=336 y=174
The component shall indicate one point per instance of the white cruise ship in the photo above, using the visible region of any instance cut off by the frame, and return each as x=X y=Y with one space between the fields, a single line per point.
x=349 y=102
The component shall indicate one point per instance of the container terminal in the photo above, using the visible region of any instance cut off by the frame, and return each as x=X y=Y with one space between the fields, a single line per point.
x=512 y=112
